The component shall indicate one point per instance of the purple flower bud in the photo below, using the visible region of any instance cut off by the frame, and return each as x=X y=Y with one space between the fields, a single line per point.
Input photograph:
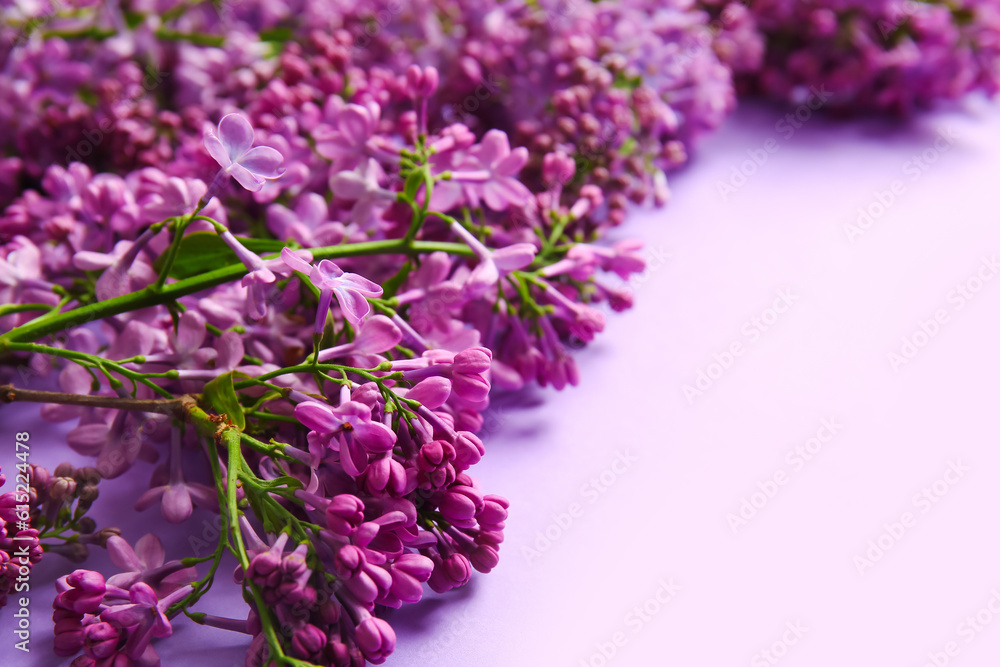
x=558 y=168
x=452 y=572
x=265 y=569
x=68 y=629
x=308 y=643
x=349 y=561
x=344 y=514
x=432 y=392
x=469 y=374
x=422 y=82
x=493 y=513
x=484 y=558
x=376 y=639
x=101 y=640
x=469 y=449
x=84 y=592
x=459 y=504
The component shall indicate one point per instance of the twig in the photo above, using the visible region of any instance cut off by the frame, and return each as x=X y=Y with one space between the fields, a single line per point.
x=173 y=406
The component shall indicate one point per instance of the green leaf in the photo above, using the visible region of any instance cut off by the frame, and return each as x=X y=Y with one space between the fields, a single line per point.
x=285 y=481
x=280 y=34
x=390 y=286
x=206 y=251
x=221 y=395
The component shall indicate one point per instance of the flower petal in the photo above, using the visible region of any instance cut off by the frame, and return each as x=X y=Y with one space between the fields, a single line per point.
x=376 y=437
x=264 y=161
x=354 y=305
x=88 y=439
x=514 y=257
x=493 y=148
x=150 y=551
x=191 y=333
x=318 y=417
x=349 y=185
x=294 y=262
x=354 y=123
x=177 y=503
x=149 y=498
x=236 y=135
x=215 y=148
x=361 y=285
x=377 y=335
x=122 y=554
x=245 y=177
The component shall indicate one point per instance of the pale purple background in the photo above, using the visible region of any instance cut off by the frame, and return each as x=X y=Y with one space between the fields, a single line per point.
x=674 y=469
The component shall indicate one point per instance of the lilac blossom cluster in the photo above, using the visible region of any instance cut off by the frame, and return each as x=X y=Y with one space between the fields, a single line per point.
x=885 y=55
x=301 y=271
x=622 y=87
x=276 y=256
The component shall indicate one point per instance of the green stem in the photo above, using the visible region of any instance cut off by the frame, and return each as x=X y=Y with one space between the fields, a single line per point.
x=150 y=297
x=175 y=245
x=9 y=394
x=86 y=360
x=231 y=437
x=310 y=368
x=24 y=308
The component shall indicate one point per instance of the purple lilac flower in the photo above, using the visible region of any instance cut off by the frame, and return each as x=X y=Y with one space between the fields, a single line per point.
x=352 y=291
x=231 y=145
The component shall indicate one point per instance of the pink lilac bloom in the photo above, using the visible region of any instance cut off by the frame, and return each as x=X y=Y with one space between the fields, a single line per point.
x=578 y=114
x=352 y=291
x=887 y=55
x=230 y=146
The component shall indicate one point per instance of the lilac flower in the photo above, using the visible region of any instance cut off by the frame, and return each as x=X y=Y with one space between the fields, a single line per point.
x=175 y=494
x=146 y=562
x=308 y=225
x=468 y=370
x=116 y=446
x=377 y=334
x=120 y=274
x=432 y=296
x=362 y=186
x=352 y=291
x=346 y=142
x=21 y=273
x=348 y=428
x=309 y=643
x=493 y=264
x=178 y=197
x=256 y=280
x=81 y=592
x=450 y=572
x=231 y=148
x=495 y=182
x=376 y=639
x=144 y=617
